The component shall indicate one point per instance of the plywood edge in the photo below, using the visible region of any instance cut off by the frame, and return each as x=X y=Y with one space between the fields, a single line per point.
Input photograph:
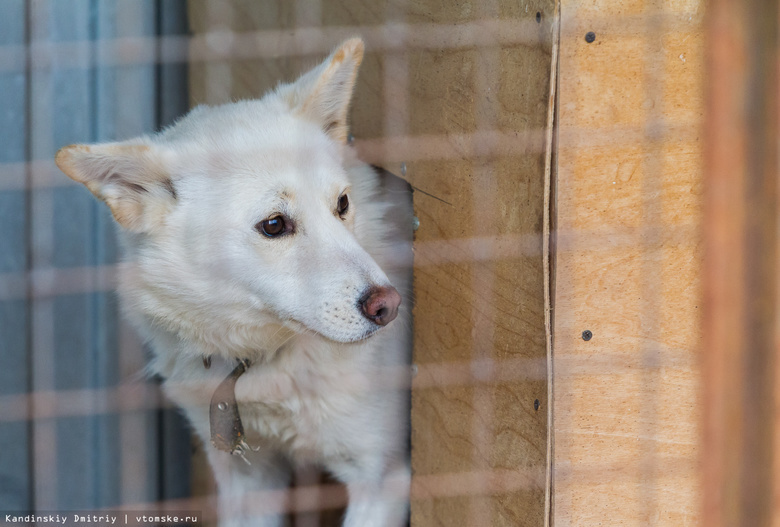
x=546 y=249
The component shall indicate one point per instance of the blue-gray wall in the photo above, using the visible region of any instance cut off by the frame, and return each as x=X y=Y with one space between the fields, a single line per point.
x=78 y=430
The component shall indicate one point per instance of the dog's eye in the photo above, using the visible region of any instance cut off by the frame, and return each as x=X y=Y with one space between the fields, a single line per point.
x=343 y=205
x=272 y=226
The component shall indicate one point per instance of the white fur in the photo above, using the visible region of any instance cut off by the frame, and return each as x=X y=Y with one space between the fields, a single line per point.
x=200 y=280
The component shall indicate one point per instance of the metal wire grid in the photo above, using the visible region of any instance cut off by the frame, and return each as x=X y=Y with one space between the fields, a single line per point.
x=42 y=280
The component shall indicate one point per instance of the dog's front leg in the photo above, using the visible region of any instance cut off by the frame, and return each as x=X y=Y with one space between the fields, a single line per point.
x=379 y=502
x=250 y=494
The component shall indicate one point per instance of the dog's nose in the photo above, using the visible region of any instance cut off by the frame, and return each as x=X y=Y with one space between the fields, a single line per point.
x=380 y=304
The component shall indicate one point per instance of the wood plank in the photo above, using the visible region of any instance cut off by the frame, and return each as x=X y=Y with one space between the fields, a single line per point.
x=482 y=310
x=740 y=284
x=629 y=182
x=216 y=82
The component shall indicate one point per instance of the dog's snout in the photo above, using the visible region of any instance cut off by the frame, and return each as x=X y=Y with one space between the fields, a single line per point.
x=380 y=304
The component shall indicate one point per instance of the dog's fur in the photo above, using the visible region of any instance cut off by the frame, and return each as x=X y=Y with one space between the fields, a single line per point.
x=200 y=279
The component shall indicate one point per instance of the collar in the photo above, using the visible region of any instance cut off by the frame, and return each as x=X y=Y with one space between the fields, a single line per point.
x=227 y=431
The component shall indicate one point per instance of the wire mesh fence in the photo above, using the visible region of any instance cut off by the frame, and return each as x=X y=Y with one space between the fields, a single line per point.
x=556 y=155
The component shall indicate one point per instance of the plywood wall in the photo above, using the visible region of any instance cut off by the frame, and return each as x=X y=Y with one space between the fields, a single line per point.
x=454 y=96
x=479 y=442
x=629 y=187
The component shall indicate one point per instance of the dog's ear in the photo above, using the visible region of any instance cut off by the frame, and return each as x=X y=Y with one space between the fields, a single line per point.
x=130 y=178
x=324 y=93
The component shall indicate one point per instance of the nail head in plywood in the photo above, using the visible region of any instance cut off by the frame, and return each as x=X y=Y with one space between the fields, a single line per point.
x=629 y=174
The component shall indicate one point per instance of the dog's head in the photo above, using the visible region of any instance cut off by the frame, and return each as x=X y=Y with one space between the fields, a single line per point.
x=247 y=215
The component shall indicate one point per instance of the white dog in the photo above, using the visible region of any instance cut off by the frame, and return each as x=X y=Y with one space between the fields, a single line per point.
x=259 y=269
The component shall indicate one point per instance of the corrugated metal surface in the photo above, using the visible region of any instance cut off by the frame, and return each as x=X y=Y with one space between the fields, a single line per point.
x=67 y=441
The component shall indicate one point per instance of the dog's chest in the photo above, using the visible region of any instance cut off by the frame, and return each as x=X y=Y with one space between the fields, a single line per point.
x=301 y=406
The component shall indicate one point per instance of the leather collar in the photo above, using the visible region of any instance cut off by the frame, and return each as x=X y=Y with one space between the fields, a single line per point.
x=227 y=430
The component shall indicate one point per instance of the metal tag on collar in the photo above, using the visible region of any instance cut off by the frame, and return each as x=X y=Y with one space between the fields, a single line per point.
x=227 y=431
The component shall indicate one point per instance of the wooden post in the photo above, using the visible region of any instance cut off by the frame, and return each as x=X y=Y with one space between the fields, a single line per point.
x=740 y=288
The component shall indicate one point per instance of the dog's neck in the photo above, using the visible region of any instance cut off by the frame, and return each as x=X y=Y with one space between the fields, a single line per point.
x=170 y=348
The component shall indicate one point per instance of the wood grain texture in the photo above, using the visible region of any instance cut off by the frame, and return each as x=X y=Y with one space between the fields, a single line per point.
x=629 y=180
x=482 y=308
